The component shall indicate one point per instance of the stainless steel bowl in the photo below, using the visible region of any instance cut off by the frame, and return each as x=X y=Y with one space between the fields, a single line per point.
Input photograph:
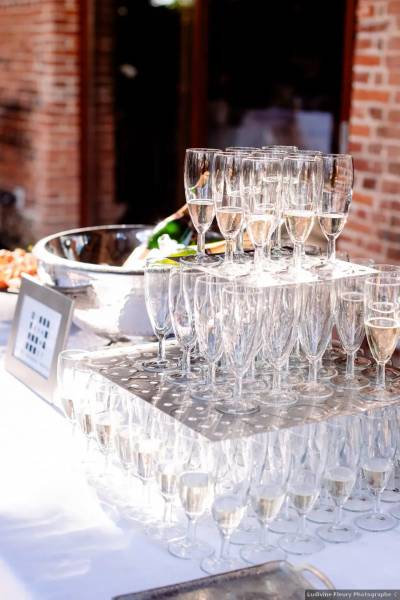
x=87 y=263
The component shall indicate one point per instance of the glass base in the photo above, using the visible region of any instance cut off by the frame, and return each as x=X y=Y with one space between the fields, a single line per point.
x=345 y=383
x=195 y=550
x=294 y=377
x=159 y=365
x=359 y=503
x=395 y=512
x=237 y=408
x=243 y=537
x=375 y=394
x=215 y=565
x=278 y=398
x=300 y=544
x=166 y=532
x=233 y=269
x=376 y=522
x=314 y=391
x=256 y=554
x=183 y=378
x=206 y=393
x=201 y=260
x=298 y=362
x=342 y=534
x=241 y=257
x=391 y=374
x=391 y=495
x=286 y=524
x=326 y=373
x=322 y=514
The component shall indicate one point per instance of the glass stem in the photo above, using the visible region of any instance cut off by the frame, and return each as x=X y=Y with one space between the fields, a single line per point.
x=167 y=517
x=277 y=379
x=338 y=517
x=265 y=535
x=212 y=375
x=380 y=378
x=161 y=348
x=377 y=504
x=239 y=386
x=331 y=249
x=268 y=251
x=224 y=552
x=239 y=241
x=258 y=258
x=302 y=525
x=146 y=495
x=201 y=243
x=287 y=509
x=252 y=370
x=313 y=374
x=297 y=255
x=191 y=532
x=229 y=250
x=186 y=361
x=350 y=365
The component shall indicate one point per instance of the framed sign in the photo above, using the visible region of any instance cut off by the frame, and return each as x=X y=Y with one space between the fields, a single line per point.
x=39 y=333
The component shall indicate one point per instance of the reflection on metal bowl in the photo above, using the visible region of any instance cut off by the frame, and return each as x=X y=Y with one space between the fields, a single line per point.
x=87 y=263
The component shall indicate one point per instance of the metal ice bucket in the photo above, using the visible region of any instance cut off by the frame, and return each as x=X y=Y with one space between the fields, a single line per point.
x=87 y=263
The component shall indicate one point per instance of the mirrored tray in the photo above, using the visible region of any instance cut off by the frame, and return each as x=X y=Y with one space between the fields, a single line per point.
x=271 y=581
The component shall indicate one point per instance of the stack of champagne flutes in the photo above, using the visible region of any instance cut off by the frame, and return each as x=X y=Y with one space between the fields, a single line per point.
x=256 y=332
x=260 y=493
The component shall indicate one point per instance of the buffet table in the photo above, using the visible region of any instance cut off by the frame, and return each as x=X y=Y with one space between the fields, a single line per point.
x=56 y=542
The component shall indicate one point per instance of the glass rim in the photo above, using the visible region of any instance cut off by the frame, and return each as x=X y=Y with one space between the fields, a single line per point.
x=267 y=158
x=337 y=155
x=383 y=279
x=203 y=150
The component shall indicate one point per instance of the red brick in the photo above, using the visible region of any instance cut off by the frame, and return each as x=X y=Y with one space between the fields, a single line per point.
x=359 y=130
x=371 y=95
x=362 y=199
x=367 y=59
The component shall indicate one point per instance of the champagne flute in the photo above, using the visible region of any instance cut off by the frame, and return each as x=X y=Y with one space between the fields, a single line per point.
x=350 y=327
x=344 y=446
x=302 y=182
x=156 y=285
x=181 y=307
x=378 y=450
x=227 y=511
x=267 y=495
x=308 y=458
x=229 y=205
x=195 y=491
x=280 y=327
x=72 y=376
x=197 y=182
x=241 y=321
x=106 y=416
x=208 y=325
x=260 y=186
x=334 y=202
x=318 y=302
x=382 y=326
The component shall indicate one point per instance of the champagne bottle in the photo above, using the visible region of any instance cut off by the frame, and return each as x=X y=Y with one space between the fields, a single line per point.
x=177 y=226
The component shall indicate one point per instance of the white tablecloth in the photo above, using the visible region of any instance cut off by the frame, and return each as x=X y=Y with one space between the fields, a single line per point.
x=57 y=543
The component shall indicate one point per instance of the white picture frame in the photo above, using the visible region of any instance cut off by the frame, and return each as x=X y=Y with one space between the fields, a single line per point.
x=39 y=333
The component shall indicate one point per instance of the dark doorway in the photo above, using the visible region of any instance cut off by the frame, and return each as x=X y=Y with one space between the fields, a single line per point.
x=218 y=73
x=147 y=74
x=275 y=72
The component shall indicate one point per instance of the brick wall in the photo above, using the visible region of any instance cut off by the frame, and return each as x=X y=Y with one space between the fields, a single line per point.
x=373 y=228
x=40 y=114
